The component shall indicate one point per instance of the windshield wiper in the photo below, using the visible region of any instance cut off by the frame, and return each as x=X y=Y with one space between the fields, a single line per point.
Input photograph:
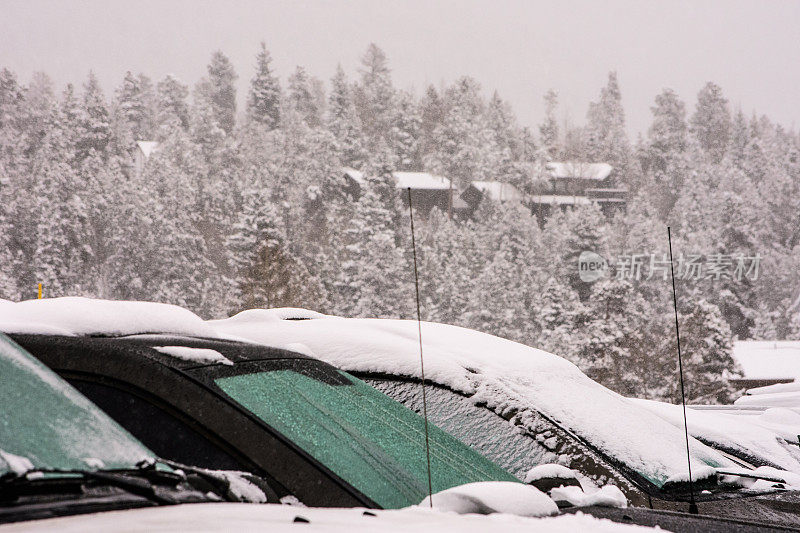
x=132 y=481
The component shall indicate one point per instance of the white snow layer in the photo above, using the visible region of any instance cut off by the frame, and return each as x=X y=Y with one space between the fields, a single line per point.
x=15 y=463
x=775 y=399
x=203 y=356
x=608 y=496
x=85 y=316
x=549 y=470
x=504 y=374
x=761 y=435
x=488 y=497
x=768 y=359
x=223 y=517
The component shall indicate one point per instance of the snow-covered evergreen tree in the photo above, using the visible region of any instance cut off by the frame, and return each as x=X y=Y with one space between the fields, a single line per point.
x=343 y=122
x=220 y=90
x=172 y=104
x=264 y=98
x=711 y=122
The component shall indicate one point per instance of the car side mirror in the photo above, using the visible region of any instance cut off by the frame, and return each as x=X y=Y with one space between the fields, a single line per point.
x=547 y=477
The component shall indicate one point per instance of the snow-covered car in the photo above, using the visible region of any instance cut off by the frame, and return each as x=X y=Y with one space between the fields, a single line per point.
x=509 y=502
x=311 y=431
x=61 y=455
x=521 y=407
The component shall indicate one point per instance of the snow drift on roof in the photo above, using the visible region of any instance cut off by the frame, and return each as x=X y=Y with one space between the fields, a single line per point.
x=86 y=316
x=576 y=169
x=421 y=180
x=355 y=175
x=498 y=191
x=504 y=375
x=768 y=359
x=147 y=147
x=559 y=199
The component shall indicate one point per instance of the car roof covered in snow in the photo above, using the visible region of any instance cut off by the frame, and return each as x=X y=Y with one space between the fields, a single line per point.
x=86 y=316
x=505 y=376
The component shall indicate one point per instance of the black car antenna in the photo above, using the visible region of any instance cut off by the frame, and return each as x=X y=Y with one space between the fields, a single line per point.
x=421 y=361
x=692 y=504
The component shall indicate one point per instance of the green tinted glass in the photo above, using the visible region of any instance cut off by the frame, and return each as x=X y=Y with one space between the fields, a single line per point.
x=362 y=435
x=47 y=422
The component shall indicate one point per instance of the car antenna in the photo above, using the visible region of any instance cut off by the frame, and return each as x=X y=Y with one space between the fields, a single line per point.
x=421 y=361
x=692 y=504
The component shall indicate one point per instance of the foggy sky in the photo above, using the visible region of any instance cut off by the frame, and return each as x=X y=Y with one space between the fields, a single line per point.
x=520 y=49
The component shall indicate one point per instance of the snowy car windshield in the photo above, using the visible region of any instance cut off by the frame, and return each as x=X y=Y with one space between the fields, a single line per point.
x=369 y=440
x=61 y=429
x=516 y=445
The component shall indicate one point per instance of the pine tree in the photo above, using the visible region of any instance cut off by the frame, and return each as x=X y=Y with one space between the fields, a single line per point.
x=94 y=120
x=606 y=138
x=264 y=99
x=221 y=90
x=343 y=122
x=706 y=345
x=134 y=101
x=303 y=99
x=548 y=130
x=711 y=122
x=172 y=105
x=667 y=133
x=405 y=132
x=374 y=96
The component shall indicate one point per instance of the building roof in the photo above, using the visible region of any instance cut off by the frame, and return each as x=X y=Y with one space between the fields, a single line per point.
x=355 y=175
x=147 y=147
x=404 y=180
x=421 y=180
x=576 y=169
x=498 y=191
x=559 y=199
x=768 y=359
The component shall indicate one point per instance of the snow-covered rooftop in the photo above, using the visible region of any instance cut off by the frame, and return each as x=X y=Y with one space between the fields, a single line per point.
x=498 y=190
x=355 y=175
x=559 y=199
x=404 y=180
x=576 y=169
x=421 y=180
x=147 y=147
x=768 y=359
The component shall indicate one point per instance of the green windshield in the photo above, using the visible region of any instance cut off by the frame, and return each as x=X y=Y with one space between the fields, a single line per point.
x=46 y=424
x=362 y=435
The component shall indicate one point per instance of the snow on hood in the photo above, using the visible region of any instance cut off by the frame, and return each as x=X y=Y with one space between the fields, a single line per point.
x=86 y=316
x=274 y=518
x=758 y=435
x=503 y=374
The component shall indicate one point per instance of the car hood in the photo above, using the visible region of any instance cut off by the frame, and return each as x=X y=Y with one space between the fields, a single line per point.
x=219 y=517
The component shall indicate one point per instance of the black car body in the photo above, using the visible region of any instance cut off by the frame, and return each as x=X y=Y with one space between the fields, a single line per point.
x=208 y=415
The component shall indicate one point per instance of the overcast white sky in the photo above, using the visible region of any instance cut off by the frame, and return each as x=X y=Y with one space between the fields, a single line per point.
x=751 y=48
